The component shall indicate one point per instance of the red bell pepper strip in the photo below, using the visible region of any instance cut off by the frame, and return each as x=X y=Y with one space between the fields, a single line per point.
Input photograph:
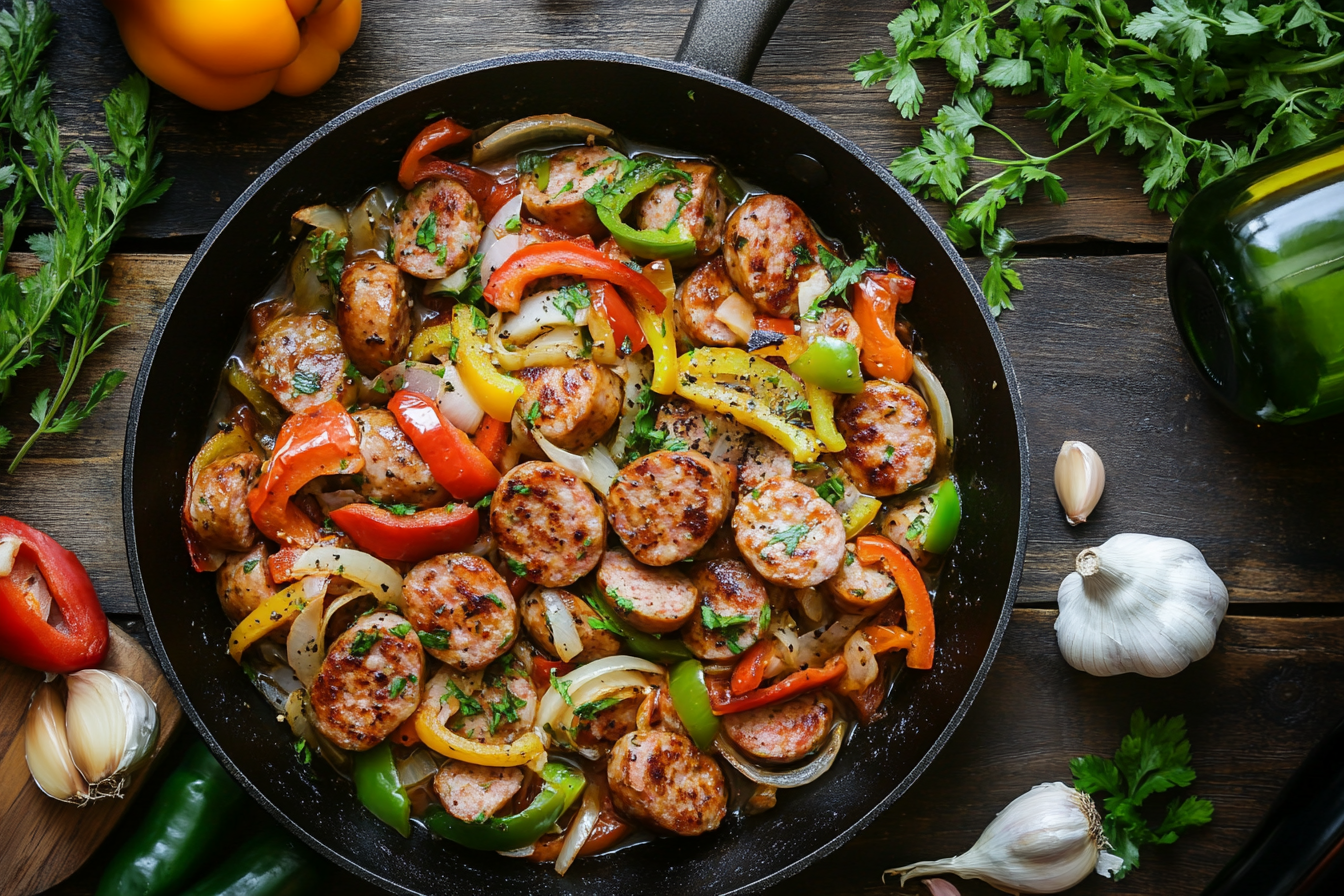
x=542 y=669
x=608 y=303
x=26 y=637
x=419 y=164
x=876 y=298
x=438 y=135
x=722 y=701
x=872 y=549
x=531 y=263
x=456 y=464
x=321 y=441
x=772 y=324
x=750 y=670
x=500 y=193
x=412 y=538
x=492 y=437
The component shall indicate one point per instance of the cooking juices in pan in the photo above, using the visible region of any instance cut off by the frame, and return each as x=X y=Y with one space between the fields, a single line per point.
x=569 y=494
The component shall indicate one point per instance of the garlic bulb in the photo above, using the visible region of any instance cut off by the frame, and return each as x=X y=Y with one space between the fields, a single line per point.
x=112 y=725
x=47 y=750
x=1080 y=477
x=1139 y=603
x=1045 y=841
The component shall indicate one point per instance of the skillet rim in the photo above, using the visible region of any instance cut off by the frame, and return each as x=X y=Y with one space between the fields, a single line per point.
x=503 y=62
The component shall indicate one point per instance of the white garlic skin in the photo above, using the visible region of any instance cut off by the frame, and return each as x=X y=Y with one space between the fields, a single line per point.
x=1080 y=478
x=1045 y=841
x=48 y=752
x=1139 y=603
x=112 y=726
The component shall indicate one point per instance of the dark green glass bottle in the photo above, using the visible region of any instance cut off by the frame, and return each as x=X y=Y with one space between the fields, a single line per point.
x=1255 y=273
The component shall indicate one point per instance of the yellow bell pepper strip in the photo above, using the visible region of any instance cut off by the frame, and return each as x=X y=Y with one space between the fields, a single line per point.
x=269 y=615
x=872 y=549
x=226 y=54
x=660 y=328
x=432 y=342
x=494 y=391
x=860 y=515
x=822 y=404
x=231 y=442
x=746 y=409
x=455 y=746
x=264 y=406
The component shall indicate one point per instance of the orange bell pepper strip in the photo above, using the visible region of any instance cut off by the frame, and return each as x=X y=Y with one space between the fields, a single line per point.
x=607 y=302
x=723 y=702
x=492 y=438
x=750 y=669
x=876 y=298
x=532 y=263
x=435 y=136
x=873 y=549
x=772 y=324
x=411 y=537
x=456 y=464
x=321 y=441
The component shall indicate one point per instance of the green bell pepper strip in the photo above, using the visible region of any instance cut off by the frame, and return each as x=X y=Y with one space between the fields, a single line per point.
x=729 y=185
x=832 y=364
x=643 y=175
x=941 y=529
x=380 y=789
x=269 y=864
x=197 y=804
x=690 y=697
x=562 y=786
x=648 y=244
x=642 y=645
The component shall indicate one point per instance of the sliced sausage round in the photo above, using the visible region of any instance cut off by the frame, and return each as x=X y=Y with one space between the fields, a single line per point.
x=369 y=682
x=437 y=229
x=464 y=607
x=571 y=173
x=700 y=430
x=373 y=313
x=609 y=725
x=652 y=599
x=782 y=732
x=856 y=588
x=394 y=472
x=889 y=442
x=836 y=323
x=660 y=778
x=734 y=610
x=574 y=405
x=667 y=504
x=244 y=581
x=770 y=248
x=762 y=459
x=500 y=713
x=299 y=358
x=217 y=502
x=699 y=296
x=597 y=642
x=697 y=204
x=475 y=792
x=789 y=533
x=549 y=527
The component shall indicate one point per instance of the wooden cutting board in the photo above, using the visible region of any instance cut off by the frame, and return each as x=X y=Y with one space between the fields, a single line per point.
x=45 y=841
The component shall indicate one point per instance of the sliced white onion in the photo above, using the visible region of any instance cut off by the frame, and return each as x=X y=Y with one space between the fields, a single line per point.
x=636 y=374
x=370 y=222
x=600 y=673
x=357 y=566
x=498 y=253
x=596 y=467
x=537 y=313
x=423 y=380
x=301 y=645
x=416 y=767
x=299 y=713
x=860 y=664
x=559 y=619
x=456 y=403
x=794 y=777
x=324 y=217
x=580 y=829
x=494 y=231
x=940 y=409
x=812 y=603
x=737 y=314
x=812 y=288
x=521 y=852
x=332 y=607
x=814 y=648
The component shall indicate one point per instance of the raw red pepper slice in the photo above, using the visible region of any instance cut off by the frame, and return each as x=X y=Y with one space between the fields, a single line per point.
x=435 y=136
x=412 y=538
x=876 y=298
x=321 y=441
x=531 y=263
x=722 y=701
x=26 y=637
x=919 y=628
x=456 y=464
x=608 y=303
x=750 y=670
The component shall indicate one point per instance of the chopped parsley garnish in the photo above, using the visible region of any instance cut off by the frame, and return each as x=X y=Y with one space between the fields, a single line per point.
x=380 y=386
x=351 y=371
x=915 y=530
x=789 y=537
x=250 y=565
x=427 y=238
x=484 y=502
x=519 y=489
x=401 y=630
x=626 y=604
x=514 y=224
x=832 y=490
x=533 y=412
x=562 y=688
x=849 y=558
x=467 y=705
x=590 y=709
x=519 y=569
x=327 y=256
x=887 y=452
x=479 y=322
x=398 y=685
x=305 y=752
x=565 y=189
x=394 y=509
x=572 y=298
x=306 y=382
x=644 y=437
x=435 y=640
x=714 y=621
x=363 y=642
x=805 y=257
x=796 y=408
x=504 y=709
x=453 y=343
x=495 y=599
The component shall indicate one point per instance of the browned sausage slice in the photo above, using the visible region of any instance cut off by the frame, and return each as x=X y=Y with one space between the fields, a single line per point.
x=394 y=472
x=499 y=713
x=244 y=581
x=464 y=607
x=700 y=296
x=652 y=599
x=789 y=533
x=572 y=172
x=698 y=205
x=667 y=504
x=734 y=610
x=782 y=732
x=217 y=502
x=597 y=642
x=369 y=682
x=299 y=358
x=856 y=588
x=549 y=527
x=889 y=440
x=437 y=229
x=373 y=313
x=770 y=249
x=476 y=792
x=660 y=778
x=574 y=405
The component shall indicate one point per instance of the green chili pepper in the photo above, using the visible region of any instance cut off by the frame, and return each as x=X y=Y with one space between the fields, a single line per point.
x=197 y=803
x=380 y=789
x=832 y=364
x=270 y=864
x=944 y=520
x=645 y=174
x=645 y=646
x=690 y=697
x=562 y=786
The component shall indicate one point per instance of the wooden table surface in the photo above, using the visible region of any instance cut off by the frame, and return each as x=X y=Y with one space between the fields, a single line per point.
x=1094 y=348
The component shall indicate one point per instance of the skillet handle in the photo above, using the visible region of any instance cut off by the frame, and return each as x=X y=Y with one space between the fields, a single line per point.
x=729 y=36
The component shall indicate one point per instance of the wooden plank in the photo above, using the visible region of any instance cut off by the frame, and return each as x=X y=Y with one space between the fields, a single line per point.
x=214 y=156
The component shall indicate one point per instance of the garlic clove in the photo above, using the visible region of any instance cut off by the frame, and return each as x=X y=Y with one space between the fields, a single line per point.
x=47 y=750
x=1080 y=478
x=112 y=726
x=1045 y=841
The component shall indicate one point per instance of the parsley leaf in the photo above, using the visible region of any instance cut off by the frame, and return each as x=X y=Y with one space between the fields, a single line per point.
x=249 y=565
x=572 y=298
x=713 y=621
x=590 y=709
x=625 y=604
x=363 y=642
x=306 y=382
x=398 y=685
x=395 y=509
x=789 y=537
x=326 y=255
x=832 y=490
x=518 y=568
x=435 y=640
x=562 y=688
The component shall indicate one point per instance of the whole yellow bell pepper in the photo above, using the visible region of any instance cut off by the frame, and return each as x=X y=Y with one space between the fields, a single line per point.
x=226 y=54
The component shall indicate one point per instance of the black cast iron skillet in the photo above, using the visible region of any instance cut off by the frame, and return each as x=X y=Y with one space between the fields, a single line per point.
x=700 y=104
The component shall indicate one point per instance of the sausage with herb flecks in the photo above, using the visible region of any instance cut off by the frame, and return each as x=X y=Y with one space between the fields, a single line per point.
x=781 y=732
x=369 y=682
x=464 y=608
x=699 y=297
x=568 y=175
x=732 y=613
x=394 y=472
x=660 y=778
x=667 y=504
x=890 y=443
x=300 y=359
x=572 y=406
x=547 y=524
x=652 y=599
x=217 y=502
x=770 y=249
x=373 y=313
x=436 y=230
x=475 y=792
x=697 y=204
x=788 y=533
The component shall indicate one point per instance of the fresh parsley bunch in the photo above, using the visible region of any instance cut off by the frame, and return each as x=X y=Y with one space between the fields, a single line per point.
x=1153 y=757
x=1270 y=72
